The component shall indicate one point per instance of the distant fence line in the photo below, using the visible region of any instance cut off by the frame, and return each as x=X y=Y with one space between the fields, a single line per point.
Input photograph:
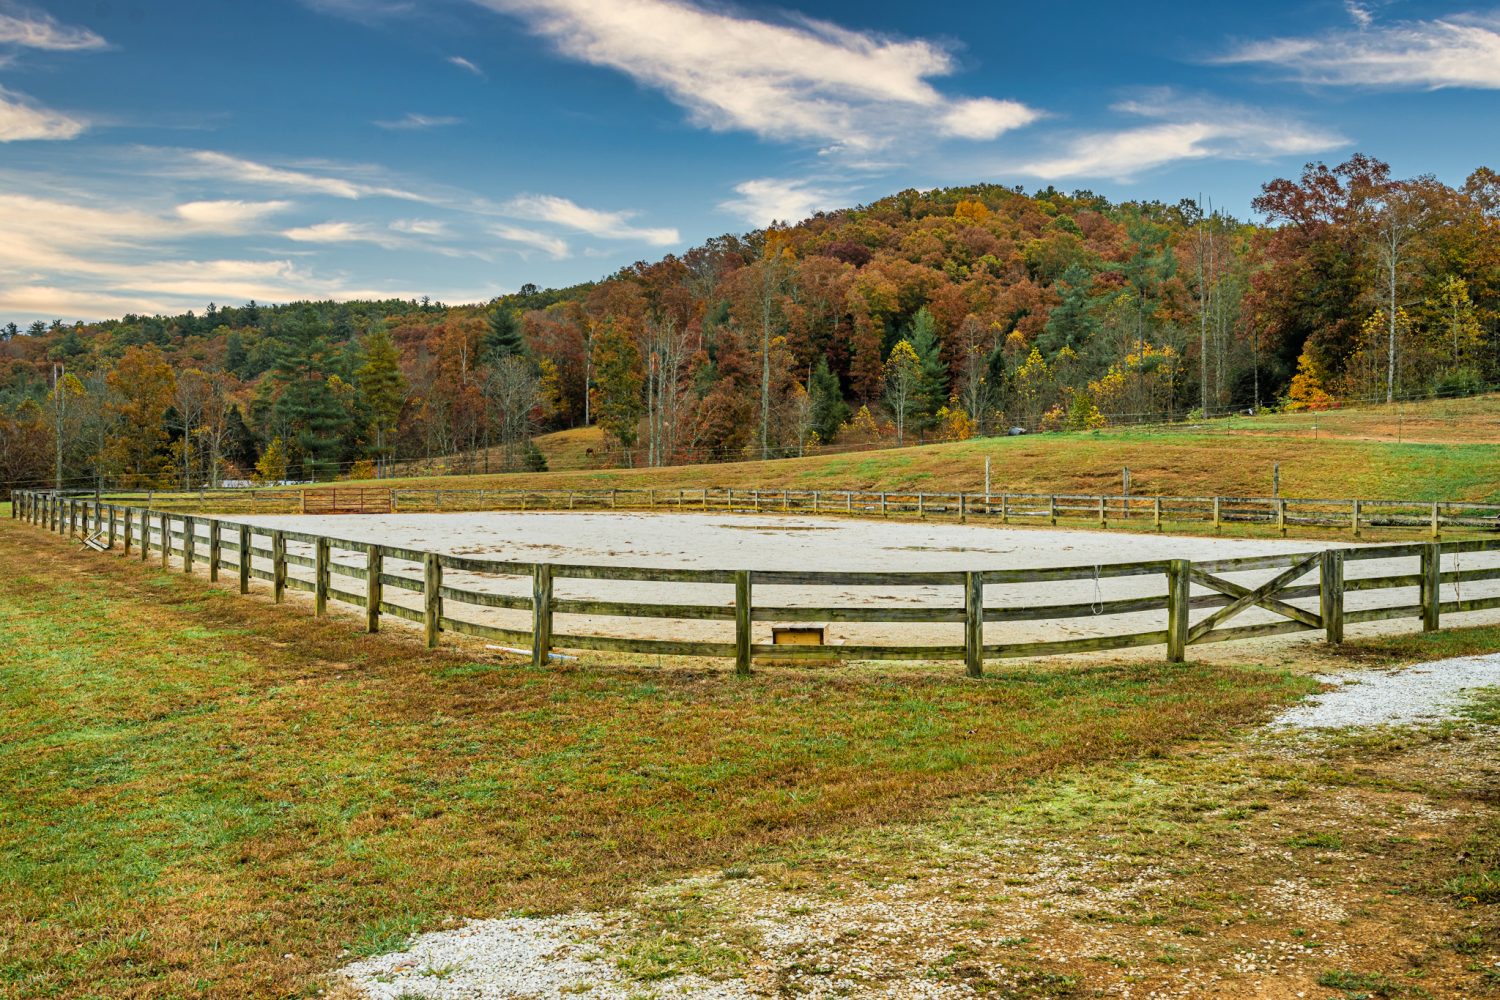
x=1004 y=508
x=145 y=530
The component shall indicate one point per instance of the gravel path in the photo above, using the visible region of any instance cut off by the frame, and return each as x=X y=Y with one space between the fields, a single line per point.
x=1428 y=692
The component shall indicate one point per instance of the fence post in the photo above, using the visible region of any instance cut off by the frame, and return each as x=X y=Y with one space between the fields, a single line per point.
x=1218 y=519
x=321 y=574
x=963 y=511
x=1052 y=509
x=432 y=598
x=1004 y=508
x=1156 y=512
x=1331 y=594
x=166 y=540
x=129 y=523
x=1354 y=517
x=742 y=622
x=189 y=542
x=1103 y=518
x=974 y=624
x=921 y=506
x=1179 y=591
x=215 y=549
x=374 y=591
x=1436 y=531
x=1432 y=561
x=145 y=534
x=1281 y=516
x=278 y=566
x=244 y=560
x=541 y=613
x=883 y=511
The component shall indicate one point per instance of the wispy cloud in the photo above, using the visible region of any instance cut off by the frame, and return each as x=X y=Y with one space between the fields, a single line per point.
x=222 y=166
x=420 y=227
x=1462 y=50
x=34 y=29
x=770 y=199
x=342 y=232
x=802 y=79
x=1183 y=129
x=228 y=215
x=606 y=225
x=413 y=122
x=21 y=119
x=466 y=65
x=553 y=246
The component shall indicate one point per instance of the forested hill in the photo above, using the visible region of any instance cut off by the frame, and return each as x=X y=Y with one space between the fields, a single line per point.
x=923 y=315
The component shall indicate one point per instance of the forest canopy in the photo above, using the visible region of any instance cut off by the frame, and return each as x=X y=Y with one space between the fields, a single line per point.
x=921 y=316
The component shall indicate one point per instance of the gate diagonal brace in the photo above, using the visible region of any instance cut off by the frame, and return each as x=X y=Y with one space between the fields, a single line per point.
x=1259 y=597
x=1232 y=589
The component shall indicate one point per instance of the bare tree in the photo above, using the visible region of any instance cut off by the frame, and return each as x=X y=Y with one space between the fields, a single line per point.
x=1400 y=216
x=666 y=350
x=514 y=392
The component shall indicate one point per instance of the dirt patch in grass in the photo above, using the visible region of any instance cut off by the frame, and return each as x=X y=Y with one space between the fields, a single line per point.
x=204 y=795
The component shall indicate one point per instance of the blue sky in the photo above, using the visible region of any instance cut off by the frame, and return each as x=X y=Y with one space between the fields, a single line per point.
x=156 y=155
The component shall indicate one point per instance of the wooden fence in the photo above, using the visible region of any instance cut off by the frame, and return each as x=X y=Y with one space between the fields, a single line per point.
x=261 y=553
x=1141 y=512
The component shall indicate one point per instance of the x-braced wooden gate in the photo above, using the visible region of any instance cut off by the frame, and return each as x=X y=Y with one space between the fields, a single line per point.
x=1265 y=596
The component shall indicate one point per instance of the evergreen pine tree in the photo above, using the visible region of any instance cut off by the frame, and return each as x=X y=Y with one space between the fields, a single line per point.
x=503 y=338
x=829 y=411
x=932 y=384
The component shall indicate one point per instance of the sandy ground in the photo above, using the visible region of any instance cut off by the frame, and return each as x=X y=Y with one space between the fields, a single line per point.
x=766 y=543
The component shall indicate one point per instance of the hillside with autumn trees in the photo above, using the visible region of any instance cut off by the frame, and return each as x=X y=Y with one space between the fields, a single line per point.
x=923 y=316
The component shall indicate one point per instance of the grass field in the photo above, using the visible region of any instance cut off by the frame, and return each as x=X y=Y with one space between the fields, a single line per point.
x=201 y=794
x=1434 y=450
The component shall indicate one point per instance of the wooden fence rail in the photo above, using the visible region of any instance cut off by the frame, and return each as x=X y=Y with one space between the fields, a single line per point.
x=1100 y=510
x=448 y=582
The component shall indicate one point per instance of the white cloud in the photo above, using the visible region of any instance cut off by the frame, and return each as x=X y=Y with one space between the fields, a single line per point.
x=34 y=29
x=342 y=232
x=1462 y=50
x=21 y=120
x=553 y=246
x=420 y=227
x=800 y=80
x=770 y=199
x=229 y=216
x=466 y=65
x=606 y=225
x=225 y=167
x=1185 y=130
x=413 y=121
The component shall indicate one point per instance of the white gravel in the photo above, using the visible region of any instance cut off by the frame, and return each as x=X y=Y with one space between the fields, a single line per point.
x=535 y=958
x=1428 y=692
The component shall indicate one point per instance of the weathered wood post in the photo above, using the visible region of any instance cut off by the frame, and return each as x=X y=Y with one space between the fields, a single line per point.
x=1103 y=517
x=1281 y=516
x=1331 y=594
x=243 y=563
x=541 y=613
x=884 y=510
x=1052 y=509
x=1179 y=591
x=974 y=624
x=278 y=566
x=1354 y=517
x=374 y=591
x=921 y=506
x=322 y=572
x=129 y=523
x=1218 y=519
x=215 y=549
x=166 y=539
x=432 y=598
x=189 y=542
x=1436 y=530
x=1432 y=561
x=145 y=534
x=817 y=501
x=113 y=526
x=742 y=622
x=1005 y=508
x=1156 y=512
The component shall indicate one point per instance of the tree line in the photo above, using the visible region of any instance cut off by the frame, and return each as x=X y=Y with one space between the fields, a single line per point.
x=922 y=316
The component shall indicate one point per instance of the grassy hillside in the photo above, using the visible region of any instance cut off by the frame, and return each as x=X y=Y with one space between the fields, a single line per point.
x=1445 y=449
